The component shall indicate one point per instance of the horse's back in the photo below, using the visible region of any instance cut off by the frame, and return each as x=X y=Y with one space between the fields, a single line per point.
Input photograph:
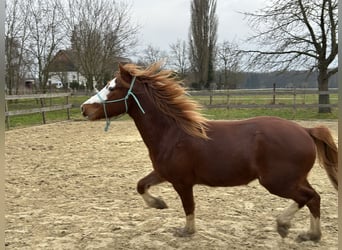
x=240 y=151
x=271 y=137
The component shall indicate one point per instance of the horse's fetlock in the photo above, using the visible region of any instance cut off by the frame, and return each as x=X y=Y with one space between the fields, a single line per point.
x=309 y=236
x=283 y=228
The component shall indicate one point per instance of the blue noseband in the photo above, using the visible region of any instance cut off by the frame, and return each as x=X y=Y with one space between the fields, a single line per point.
x=129 y=93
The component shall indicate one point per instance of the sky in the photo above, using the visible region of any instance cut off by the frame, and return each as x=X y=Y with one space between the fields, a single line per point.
x=163 y=22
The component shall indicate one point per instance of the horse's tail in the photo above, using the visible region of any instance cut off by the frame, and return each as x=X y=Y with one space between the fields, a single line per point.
x=326 y=151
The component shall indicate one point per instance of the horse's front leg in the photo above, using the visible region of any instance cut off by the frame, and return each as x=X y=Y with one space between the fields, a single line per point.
x=144 y=184
x=186 y=194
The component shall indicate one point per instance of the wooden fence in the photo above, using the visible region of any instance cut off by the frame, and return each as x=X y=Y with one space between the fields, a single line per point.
x=263 y=98
x=43 y=107
x=230 y=99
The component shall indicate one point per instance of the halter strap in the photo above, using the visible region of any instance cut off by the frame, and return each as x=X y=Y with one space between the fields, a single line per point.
x=129 y=93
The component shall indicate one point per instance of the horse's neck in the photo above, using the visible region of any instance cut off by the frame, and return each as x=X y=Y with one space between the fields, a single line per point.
x=154 y=127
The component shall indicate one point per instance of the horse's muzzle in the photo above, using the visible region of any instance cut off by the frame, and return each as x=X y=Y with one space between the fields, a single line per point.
x=83 y=111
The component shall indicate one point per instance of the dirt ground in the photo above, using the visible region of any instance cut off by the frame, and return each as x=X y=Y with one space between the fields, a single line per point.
x=70 y=185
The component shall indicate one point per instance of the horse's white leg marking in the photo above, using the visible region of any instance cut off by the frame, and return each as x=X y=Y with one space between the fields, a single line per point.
x=149 y=199
x=190 y=224
x=189 y=228
x=288 y=214
x=314 y=232
x=315 y=225
x=153 y=201
x=284 y=220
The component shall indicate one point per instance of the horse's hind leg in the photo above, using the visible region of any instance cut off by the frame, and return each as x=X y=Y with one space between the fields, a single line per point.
x=303 y=194
x=144 y=184
x=313 y=204
x=284 y=220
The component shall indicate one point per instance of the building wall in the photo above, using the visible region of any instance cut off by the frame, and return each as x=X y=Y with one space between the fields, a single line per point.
x=67 y=77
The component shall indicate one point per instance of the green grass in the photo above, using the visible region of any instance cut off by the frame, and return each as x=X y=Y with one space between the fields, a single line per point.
x=215 y=114
x=53 y=116
x=263 y=99
x=287 y=113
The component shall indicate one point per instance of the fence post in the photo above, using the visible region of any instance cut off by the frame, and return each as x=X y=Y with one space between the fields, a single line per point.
x=68 y=110
x=228 y=100
x=7 y=116
x=274 y=94
x=294 y=99
x=43 y=113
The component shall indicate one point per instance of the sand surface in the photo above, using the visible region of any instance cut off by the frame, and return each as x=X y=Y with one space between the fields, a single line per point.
x=70 y=185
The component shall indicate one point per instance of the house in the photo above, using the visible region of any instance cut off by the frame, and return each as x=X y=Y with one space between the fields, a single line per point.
x=64 y=69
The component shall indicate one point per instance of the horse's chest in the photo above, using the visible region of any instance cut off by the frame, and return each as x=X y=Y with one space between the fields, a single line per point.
x=175 y=162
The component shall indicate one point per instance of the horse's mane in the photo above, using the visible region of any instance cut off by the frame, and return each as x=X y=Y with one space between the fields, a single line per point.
x=168 y=95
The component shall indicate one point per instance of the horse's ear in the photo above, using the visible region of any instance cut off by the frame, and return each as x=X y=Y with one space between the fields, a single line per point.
x=125 y=75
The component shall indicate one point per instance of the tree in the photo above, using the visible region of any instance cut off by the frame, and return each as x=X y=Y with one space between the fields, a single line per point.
x=46 y=36
x=179 y=59
x=16 y=36
x=202 y=39
x=297 y=34
x=101 y=31
x=228 y=63
x=151 y=55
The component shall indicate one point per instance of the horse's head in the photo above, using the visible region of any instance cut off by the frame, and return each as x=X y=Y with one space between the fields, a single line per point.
x=114 y=99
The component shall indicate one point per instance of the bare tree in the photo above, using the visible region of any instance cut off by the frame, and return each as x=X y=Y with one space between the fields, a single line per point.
x=179 y=58
x=100 y=32
x=297 y=34
x=228 y=61
x=202 y=39
x=151 y=55
x=16 y=35
x=46 y=36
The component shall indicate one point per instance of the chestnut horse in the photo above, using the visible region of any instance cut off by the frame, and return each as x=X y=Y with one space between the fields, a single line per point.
x=187 y=149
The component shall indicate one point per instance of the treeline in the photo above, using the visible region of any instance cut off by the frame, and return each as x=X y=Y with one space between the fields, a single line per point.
x=290 y=79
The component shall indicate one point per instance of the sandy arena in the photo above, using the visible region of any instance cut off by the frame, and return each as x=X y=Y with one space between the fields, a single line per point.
x=70 y=185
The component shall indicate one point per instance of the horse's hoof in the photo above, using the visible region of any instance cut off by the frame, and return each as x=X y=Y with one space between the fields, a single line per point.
x=283 y=229
x=308 y=236
x=183 y=232
x=159 y=204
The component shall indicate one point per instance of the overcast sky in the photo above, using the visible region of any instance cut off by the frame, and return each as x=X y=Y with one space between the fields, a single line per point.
x=163 y=22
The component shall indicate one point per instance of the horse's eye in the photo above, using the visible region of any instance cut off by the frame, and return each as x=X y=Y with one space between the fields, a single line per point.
x=111 y=88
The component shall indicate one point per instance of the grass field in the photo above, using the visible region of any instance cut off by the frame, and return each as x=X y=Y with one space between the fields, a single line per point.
x=263 y=99
x=222 y=113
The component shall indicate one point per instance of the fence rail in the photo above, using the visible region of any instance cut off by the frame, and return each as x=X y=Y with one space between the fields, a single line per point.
x=43 y=108
x=268 y=91
x=263 y=98
x=295 y=98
